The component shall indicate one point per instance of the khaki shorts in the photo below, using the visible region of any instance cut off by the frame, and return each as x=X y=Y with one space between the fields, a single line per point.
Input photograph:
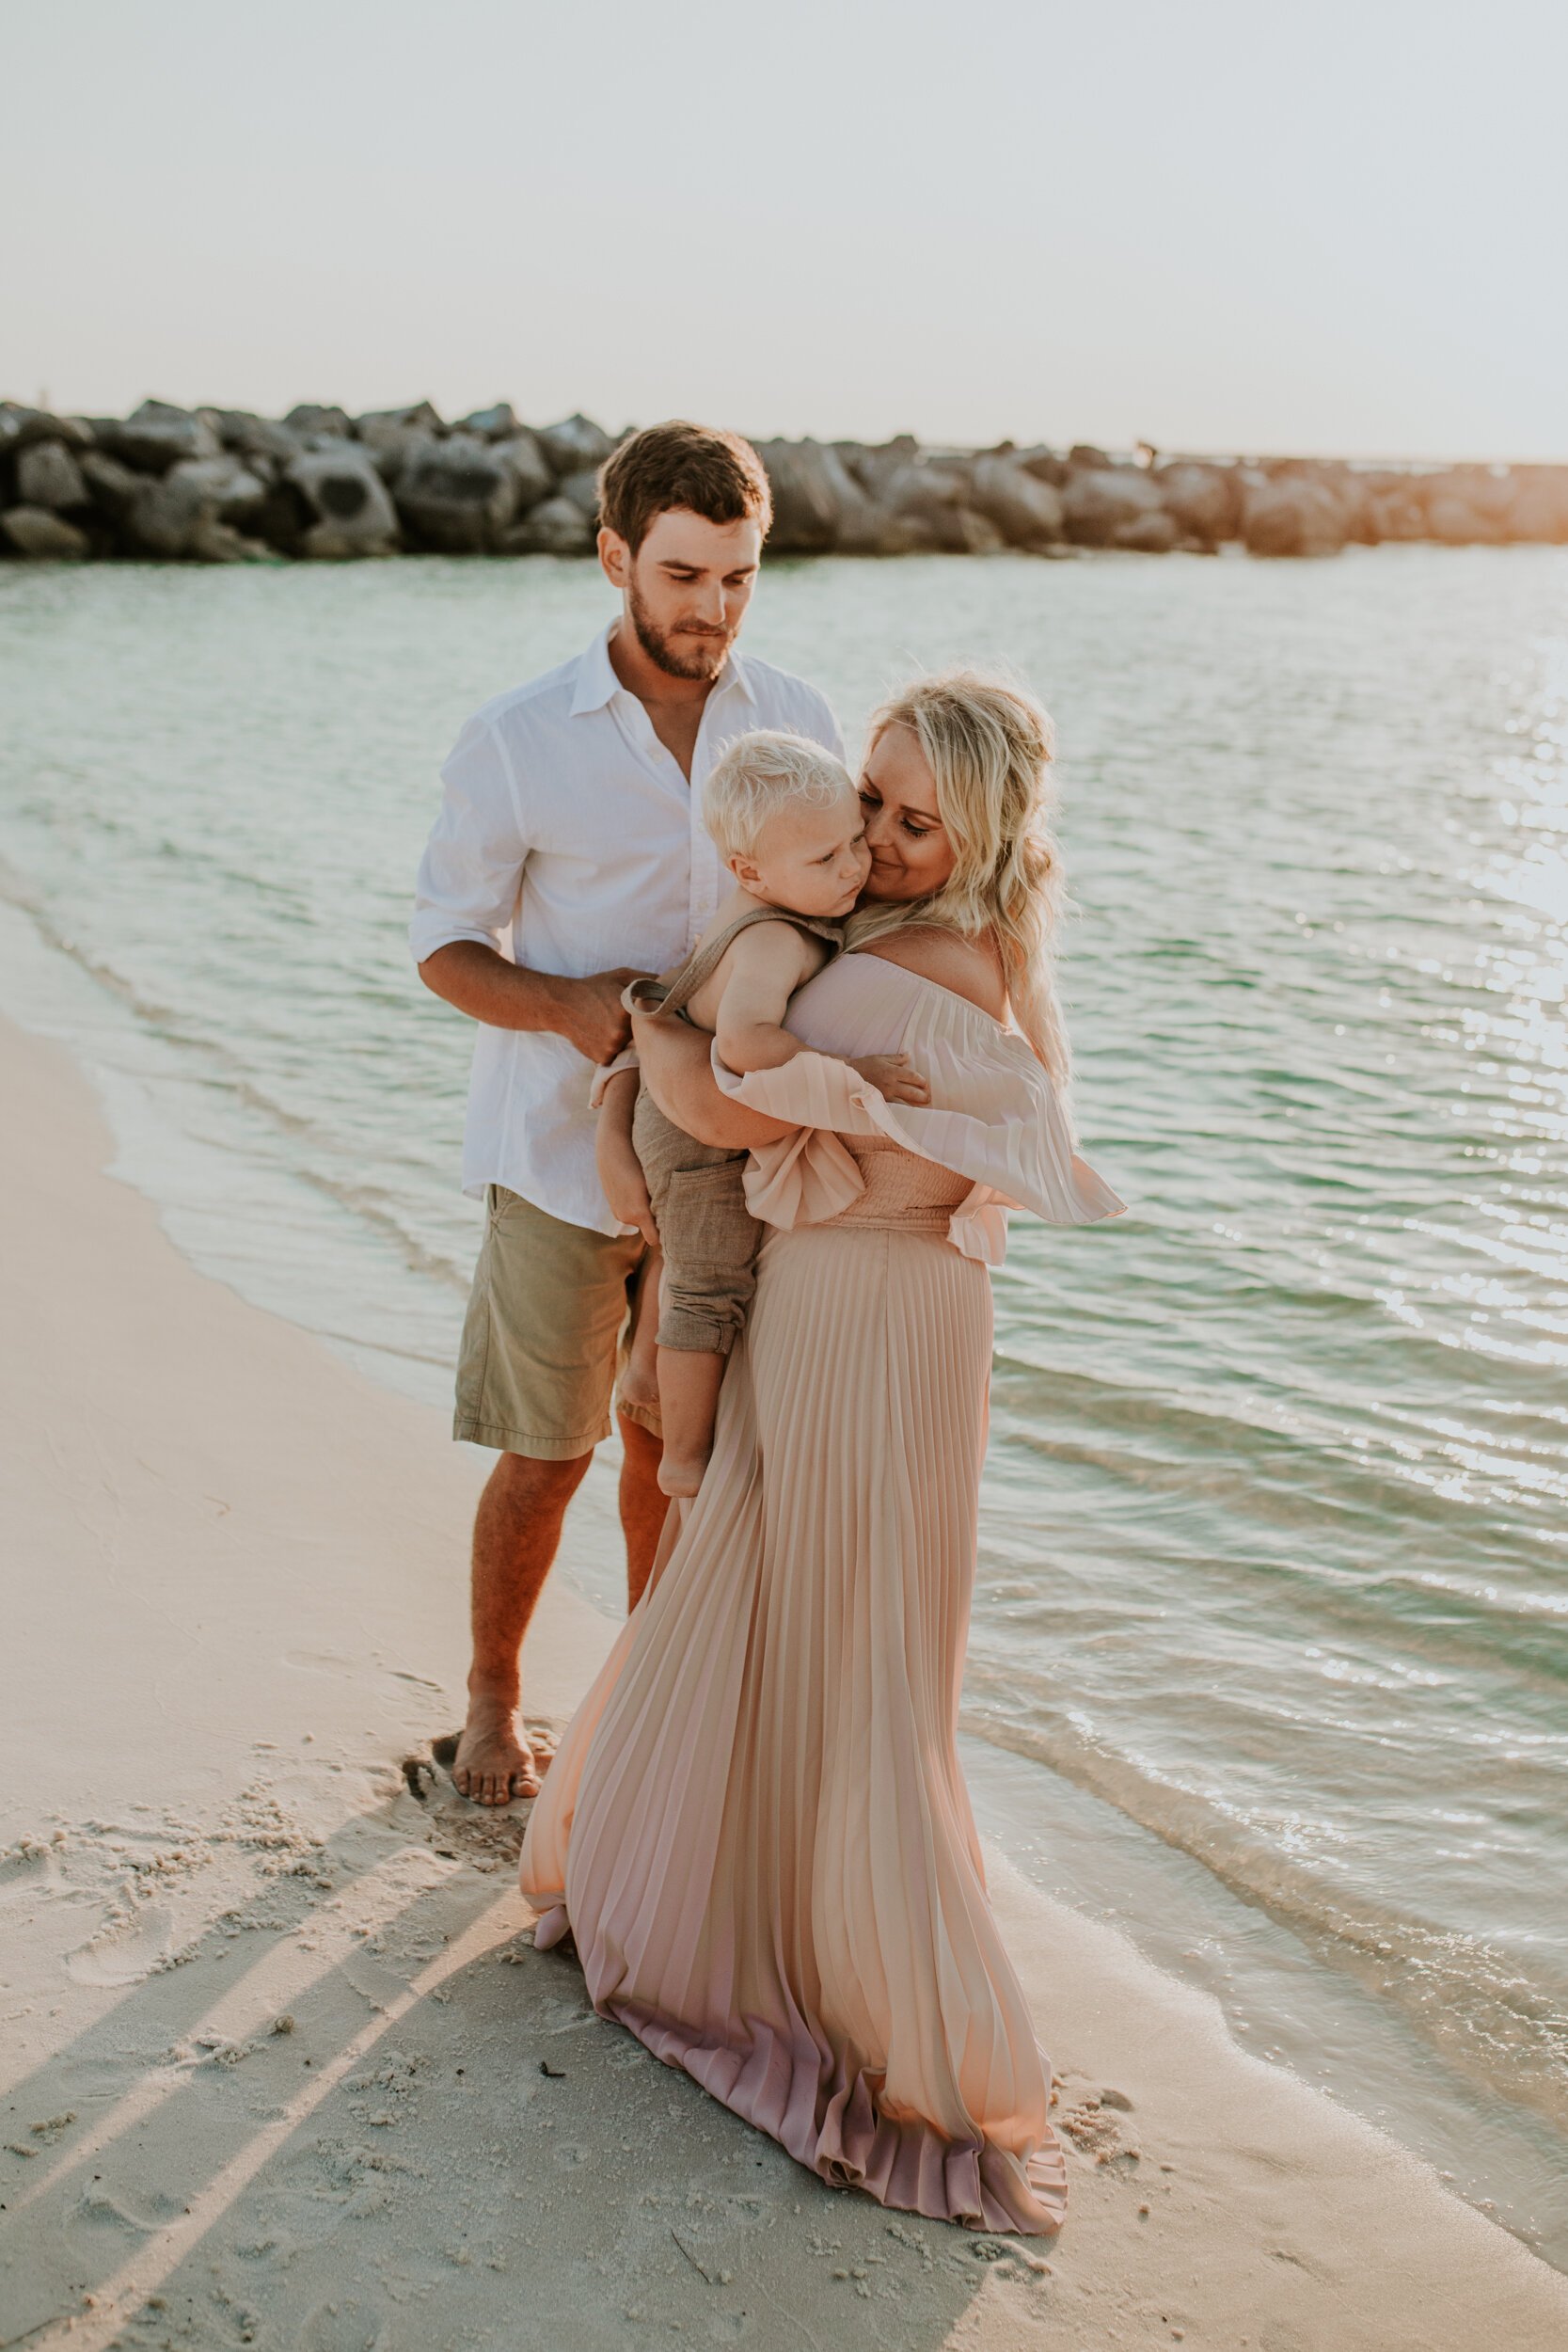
x=546 y=1331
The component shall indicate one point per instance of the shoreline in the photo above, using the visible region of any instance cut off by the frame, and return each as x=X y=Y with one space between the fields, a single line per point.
x=211 y=1834
x=289 y=1251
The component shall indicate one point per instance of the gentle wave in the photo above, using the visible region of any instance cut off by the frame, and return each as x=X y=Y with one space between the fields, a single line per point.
x=1499 y=2027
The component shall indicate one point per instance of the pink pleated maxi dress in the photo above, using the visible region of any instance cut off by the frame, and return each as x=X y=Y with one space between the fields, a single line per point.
x=757 y=1826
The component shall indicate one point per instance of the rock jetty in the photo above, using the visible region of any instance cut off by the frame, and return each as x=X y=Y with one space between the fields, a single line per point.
x=220 y=485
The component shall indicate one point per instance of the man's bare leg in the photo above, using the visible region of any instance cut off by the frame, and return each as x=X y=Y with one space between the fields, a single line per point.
x=642 y=1505
x=517 y=1533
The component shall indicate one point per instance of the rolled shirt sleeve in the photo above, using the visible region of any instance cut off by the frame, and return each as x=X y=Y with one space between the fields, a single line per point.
x=472 y=868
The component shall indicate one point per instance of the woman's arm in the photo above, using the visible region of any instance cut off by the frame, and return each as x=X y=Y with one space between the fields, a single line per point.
x=678 y=1074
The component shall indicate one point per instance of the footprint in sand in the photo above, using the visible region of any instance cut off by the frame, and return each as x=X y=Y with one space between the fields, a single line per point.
x=29 y=1868
x=124 y=1950
x=344 y=2325
x=1094 y=2125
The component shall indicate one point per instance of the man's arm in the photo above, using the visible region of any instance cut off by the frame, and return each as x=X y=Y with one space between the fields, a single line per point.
x=482 y=982
x=467 y=898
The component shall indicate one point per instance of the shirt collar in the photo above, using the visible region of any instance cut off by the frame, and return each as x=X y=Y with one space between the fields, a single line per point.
x=598 y=682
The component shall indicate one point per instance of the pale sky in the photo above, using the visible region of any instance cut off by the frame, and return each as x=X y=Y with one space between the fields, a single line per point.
x=1230 y=224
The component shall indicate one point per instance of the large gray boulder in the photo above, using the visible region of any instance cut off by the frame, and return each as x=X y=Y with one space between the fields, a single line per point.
x=933 y=498
x=923 y=487
x=185 y=514
x=48 y=475
x=113 y=487
x=810 y=487
x=239 y=491
x=1027 y=512
x=1043 y=463
x=1292 y=514
x=39 y=532
x=497 y=423
x=1111 y=506
x=957 y=530
x=1539 y=507
x=159 y=435
x=865 y=525
x=582 y=488
x=869 y=464
x=351 y=513
x=528 y=465
x=1469 y=505
x=575 y=443
x=556 y=527
x=21 y=426
x=393 y=453
x=1205 y=501
x=396 y=435
x=1396 y=506
x=253 y=439
x=1154 y=533
x=310 y=419
x=457 y=497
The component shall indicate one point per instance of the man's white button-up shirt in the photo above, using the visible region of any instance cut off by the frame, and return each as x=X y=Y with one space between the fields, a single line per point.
x=569 y=839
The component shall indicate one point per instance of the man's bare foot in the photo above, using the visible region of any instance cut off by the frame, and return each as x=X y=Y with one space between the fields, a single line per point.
x=681 y=1473
x=492 y=1765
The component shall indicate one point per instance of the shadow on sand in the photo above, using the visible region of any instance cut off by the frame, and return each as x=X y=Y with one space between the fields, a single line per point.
x=370 y=2118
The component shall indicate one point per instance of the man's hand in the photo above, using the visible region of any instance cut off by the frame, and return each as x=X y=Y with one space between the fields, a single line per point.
x=895 y=1077
x=489 y=987
x=592 y=1017
x=626 y=1187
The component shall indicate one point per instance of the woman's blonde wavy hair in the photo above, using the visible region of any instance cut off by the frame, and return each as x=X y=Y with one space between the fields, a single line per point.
x=988 y=745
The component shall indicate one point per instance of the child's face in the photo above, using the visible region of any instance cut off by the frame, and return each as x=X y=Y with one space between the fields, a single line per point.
x=813 y=861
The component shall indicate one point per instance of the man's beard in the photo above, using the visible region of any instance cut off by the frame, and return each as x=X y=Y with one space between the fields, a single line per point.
x=705 y=659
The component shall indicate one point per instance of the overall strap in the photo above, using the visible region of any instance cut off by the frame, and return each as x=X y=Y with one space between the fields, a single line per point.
x=701 y=964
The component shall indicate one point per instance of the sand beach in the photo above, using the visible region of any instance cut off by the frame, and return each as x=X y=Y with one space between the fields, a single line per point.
x=282 y=2066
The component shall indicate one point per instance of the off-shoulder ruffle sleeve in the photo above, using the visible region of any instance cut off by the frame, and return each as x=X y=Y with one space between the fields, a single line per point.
x=994 y=1117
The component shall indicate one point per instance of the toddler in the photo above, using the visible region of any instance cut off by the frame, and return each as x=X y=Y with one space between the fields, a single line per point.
x=787 y=822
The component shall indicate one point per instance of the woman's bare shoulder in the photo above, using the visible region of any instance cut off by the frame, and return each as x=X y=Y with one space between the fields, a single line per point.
x=971 y=968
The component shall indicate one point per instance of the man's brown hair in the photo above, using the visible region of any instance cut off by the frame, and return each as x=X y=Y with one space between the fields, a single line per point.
x=708 y=472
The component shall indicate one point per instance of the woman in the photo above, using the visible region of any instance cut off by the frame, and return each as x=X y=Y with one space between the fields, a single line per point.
x=757 y=1826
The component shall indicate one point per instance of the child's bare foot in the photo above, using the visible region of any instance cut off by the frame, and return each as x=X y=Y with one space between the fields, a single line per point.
x=681 y=1473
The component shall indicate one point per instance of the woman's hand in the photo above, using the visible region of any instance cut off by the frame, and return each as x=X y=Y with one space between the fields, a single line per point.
x=677 y=1071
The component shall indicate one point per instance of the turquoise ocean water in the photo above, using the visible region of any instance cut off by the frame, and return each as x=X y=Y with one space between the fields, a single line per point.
x=1275 y=1560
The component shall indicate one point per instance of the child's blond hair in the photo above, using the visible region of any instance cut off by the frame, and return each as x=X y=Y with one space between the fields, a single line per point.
x=761 y=774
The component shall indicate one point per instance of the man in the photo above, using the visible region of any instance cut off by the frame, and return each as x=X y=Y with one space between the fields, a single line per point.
x=570 y=856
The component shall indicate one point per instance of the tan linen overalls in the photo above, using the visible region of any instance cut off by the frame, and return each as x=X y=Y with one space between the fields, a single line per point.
x=708 y=1235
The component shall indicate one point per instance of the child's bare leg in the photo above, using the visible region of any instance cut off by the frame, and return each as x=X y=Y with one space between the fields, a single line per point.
x=640 y=1380
x=689 y=1380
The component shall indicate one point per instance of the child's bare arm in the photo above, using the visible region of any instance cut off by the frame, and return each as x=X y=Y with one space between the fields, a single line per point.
x=620 y=1170
x=757 y=980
